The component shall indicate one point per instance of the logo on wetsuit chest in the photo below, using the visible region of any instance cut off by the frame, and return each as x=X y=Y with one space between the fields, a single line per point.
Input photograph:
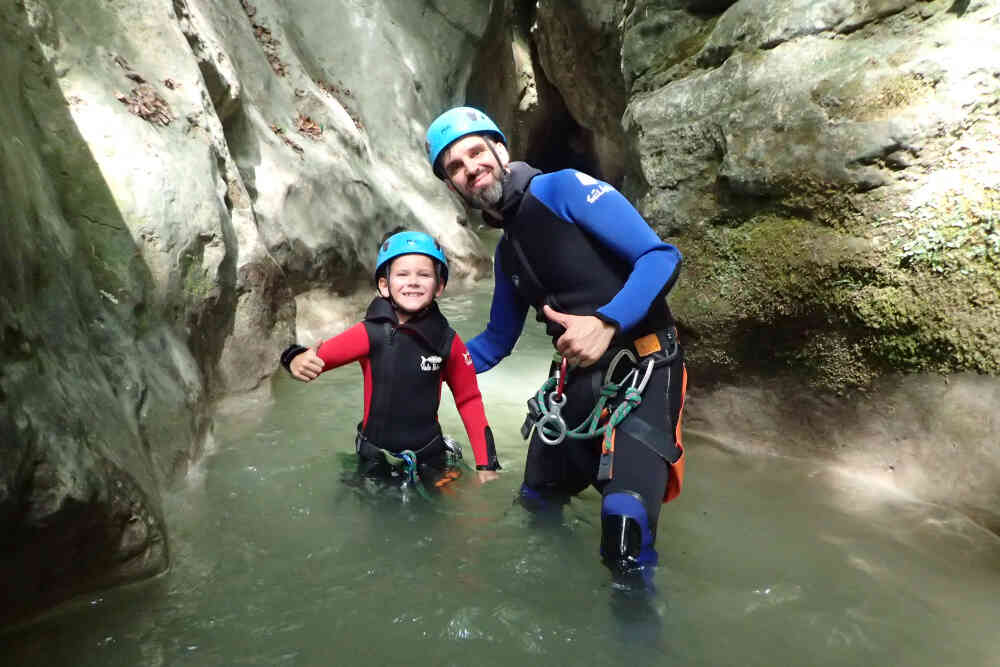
x=432 y=363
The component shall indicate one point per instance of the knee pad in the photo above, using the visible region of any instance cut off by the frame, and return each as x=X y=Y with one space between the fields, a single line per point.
x=626 y=539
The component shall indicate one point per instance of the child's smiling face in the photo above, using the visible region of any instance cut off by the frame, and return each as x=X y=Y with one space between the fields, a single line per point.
x=412 y=283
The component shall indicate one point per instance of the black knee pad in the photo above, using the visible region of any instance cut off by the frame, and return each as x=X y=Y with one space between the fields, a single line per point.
x=621 y=543
x=627 y=541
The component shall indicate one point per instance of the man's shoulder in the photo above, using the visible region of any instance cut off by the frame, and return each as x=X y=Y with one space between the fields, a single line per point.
x=565 y=178
x=568 y=185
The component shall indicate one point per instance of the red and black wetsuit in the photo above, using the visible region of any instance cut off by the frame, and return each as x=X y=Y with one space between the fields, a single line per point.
x=403 y=367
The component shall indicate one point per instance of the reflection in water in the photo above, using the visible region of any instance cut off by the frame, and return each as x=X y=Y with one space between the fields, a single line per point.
x=281 y=557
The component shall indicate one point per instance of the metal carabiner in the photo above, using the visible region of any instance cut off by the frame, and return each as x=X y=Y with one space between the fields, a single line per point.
x=561 y=376
x=556 y=403
x=632 y=377
x=645 y=378
x=614 y=365
x=410 y=464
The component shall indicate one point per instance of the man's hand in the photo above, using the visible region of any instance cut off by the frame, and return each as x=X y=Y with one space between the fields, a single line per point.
x=586 y=338
x=306 y=366
x=487 y=475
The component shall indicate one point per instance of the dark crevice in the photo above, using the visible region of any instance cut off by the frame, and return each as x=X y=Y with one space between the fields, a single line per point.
x=102 y=224
x=959 y=7
x=854 y=27
x=715 y=56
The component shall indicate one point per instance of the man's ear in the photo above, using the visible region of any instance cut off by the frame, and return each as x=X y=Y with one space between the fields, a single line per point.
x=383 y=287
x=502 y=154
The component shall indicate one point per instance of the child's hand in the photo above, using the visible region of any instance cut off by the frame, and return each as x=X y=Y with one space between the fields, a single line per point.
x=487 y=475
x=306 y=366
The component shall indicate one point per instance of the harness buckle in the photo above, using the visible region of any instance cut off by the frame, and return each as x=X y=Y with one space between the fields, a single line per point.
x=452 y=446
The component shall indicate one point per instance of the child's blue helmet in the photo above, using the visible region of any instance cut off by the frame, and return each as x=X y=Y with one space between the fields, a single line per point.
x=454 y=124
x=409 y=243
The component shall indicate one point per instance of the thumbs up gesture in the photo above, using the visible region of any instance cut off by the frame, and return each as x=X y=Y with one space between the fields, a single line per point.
x=306 y=366
x=586 y=338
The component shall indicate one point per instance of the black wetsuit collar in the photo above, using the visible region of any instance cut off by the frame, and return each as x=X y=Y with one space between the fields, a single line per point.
x=515 y=184
x=429 y=324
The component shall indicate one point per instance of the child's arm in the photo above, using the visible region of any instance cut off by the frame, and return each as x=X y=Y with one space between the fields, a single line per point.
x=305 y=363
x=460 y=375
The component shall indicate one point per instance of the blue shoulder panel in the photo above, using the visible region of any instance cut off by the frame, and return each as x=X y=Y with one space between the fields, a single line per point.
x=607 y=216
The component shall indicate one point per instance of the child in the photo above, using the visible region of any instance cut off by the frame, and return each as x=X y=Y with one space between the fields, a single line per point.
x=406 y=348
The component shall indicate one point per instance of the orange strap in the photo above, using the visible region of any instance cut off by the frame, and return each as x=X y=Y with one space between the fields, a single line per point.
x=676 y=479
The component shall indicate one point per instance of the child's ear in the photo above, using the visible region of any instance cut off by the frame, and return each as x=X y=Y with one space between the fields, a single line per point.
x=440 y=288
x=383 y=287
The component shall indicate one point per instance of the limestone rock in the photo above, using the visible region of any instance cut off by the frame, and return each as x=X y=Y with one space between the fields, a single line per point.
x=174 y=176
x=829 y=171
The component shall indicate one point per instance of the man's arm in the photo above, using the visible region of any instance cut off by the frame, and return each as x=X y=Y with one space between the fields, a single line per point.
x=507 y=313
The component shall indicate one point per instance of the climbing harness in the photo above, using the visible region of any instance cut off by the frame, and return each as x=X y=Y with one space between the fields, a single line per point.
x=455 y=453
x=616 y=401
x=406 y=462
x=544 y=409
x=633 y=396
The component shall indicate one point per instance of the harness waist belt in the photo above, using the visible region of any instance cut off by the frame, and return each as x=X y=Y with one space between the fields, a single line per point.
x=369 y=450
x=663 y=343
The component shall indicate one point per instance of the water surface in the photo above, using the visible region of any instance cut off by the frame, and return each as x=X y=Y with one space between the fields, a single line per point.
x=280 y=558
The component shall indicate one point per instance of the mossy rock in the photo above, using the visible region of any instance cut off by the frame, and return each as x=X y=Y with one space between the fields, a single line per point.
x=785 y=295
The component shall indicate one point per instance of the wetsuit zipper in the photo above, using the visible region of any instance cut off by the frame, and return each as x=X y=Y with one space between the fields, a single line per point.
x=387 y=376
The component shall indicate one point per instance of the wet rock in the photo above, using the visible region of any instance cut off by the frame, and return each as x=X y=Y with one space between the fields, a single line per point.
x=158 y=230
x=814 y=114
x=929 y=437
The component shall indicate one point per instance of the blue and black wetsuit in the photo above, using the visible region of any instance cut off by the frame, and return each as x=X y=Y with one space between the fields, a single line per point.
x=576 y=244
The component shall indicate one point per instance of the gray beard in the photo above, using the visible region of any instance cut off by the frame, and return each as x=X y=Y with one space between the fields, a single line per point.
x=488 y=197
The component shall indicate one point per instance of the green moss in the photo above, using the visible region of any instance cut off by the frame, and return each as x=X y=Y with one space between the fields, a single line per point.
x=767 y=293
x=197 y=285
x=788 y=295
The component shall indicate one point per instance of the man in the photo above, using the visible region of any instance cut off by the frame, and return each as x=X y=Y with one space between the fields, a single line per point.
x=576 y=250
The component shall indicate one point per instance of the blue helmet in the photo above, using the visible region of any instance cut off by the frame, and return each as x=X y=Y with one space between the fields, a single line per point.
x=454 y=124
x=409 y=243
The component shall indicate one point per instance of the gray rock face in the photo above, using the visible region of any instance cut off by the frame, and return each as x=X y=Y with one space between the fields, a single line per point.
x=174 y=176
x=929 y=437
x=102 y=400
x=827 y=169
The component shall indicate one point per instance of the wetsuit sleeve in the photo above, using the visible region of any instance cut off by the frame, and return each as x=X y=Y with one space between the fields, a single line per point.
x=507 y=313
x=461 y=378
x=608 y=217
x=351 y=345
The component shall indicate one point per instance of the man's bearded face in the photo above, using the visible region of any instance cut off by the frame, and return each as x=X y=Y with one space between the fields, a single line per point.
x=474 y=171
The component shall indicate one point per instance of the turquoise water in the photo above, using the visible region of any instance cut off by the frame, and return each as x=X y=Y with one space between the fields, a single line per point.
x=281 y=558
